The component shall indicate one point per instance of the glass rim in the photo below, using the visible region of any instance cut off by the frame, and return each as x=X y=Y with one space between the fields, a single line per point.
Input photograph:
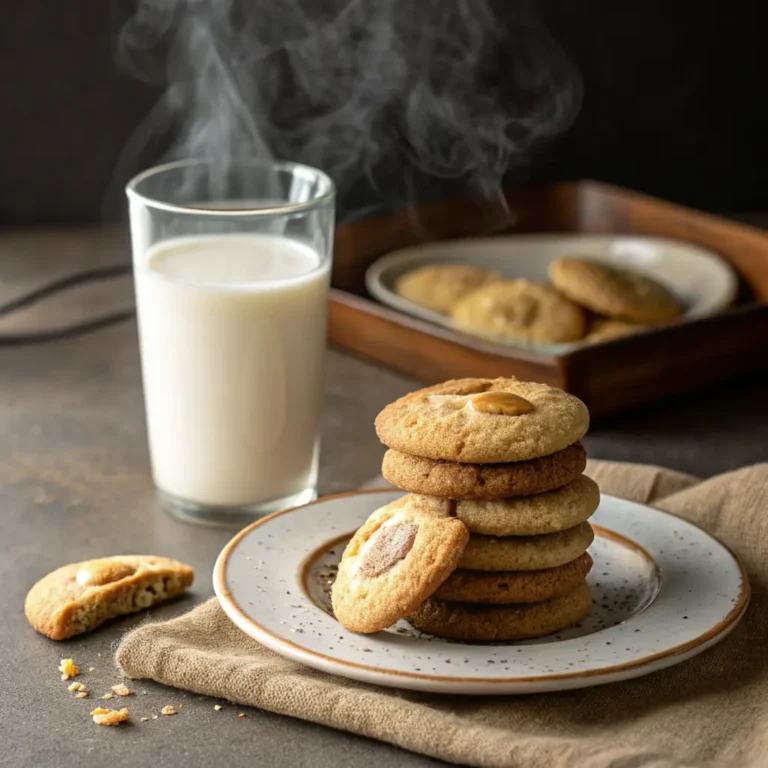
x=328 y=194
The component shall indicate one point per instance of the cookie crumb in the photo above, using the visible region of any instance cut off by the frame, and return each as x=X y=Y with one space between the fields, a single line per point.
x=68 y=669
x=90 y=669
x=121 y=690
x=242 y=714
x=99 y=711
x=81 y=694
x=167 y=710
x=217 y=707
x=76 y=687
x=107 y=696
x=154 y=717
x=143 y=719
x=110 y=716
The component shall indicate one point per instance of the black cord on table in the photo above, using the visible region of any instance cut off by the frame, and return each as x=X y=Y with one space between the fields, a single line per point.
x=63 y=284
x=37 y=337
x=57 y=286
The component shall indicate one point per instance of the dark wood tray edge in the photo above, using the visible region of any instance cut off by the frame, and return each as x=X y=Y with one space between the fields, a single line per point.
x=609 y=376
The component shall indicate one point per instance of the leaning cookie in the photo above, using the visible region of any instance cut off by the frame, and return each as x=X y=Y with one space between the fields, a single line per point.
x=549 y=512
x=452 y=480
x=79 y=597
x=397 y=559
x=464 y=586
x=440 y=286
x=613 y=291
x=487 y=623
x=526 y=553
x=483 y=421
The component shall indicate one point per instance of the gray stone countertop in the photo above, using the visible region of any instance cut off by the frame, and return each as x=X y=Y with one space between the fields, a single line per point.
x=75 y=484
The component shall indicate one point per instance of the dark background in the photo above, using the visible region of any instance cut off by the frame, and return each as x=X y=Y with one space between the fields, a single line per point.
x=674 y=105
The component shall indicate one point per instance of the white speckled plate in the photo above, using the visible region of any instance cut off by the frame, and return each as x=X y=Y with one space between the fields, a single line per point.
x=663 y=589
x=702 y=281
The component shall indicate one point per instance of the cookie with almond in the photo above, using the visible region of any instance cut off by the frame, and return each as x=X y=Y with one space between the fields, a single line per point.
x=483 y=421
x=79 y=597
x=395 y=560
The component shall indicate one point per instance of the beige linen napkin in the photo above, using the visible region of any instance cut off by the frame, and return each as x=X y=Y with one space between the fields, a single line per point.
x=712 y=710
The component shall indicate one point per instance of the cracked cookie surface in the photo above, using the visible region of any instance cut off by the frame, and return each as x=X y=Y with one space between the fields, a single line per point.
x=487 y=623
x=464 y=586
x=440 y=286
x=78 y=597
x=436 y=477
x=520 y=310
x=613 y=291
x=544 y=513
x=395 y=560
x=526 y=553
x=440 y=422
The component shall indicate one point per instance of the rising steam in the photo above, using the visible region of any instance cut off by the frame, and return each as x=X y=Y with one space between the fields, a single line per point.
x=389 y=90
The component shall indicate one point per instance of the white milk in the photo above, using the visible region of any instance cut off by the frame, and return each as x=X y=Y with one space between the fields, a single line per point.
x=232 y=331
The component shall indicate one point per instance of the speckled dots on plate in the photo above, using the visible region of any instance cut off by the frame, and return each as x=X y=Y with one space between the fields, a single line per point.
x=663 y=591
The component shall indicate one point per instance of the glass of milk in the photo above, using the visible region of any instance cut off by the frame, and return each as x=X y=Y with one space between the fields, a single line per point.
x=232 y=262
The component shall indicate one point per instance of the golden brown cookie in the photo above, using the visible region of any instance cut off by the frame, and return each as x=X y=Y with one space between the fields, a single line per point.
x=519 y=310
x=613 y=291
x=79 y=597
x=485 y=623
x=440 y=286
x=483 y=421
x=526 y=553
x=531 y=515
x=452 y=480
x=604 y=329
x=398 y=557
x=514 y=587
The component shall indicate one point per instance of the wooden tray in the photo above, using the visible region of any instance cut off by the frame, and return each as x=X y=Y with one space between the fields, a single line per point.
x=609 y=376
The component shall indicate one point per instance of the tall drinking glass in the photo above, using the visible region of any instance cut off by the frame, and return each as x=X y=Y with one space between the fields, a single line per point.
x=232 y=263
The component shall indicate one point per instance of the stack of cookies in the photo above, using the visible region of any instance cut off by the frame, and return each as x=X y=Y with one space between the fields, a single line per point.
x=502 y=459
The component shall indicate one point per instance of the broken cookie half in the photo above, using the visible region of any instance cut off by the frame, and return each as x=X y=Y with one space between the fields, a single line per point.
x=396 y=560
x=79 y=597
